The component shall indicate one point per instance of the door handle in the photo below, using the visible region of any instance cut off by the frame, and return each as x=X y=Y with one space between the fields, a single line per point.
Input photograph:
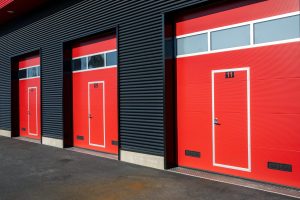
x=28 y=113
x=89 y=115
x=216 y=121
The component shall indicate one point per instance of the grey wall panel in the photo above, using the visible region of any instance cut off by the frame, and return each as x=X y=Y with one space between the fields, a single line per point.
x=141 y=64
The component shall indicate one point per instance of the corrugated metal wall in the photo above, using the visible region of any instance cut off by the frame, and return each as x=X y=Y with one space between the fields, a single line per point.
x=141 y=62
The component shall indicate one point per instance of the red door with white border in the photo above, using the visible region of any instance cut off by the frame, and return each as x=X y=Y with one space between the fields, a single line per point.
x=230 y=130
x=96 y=114
x=95 y=106
x=244 y=122
x=29 y=97
x=32 y=111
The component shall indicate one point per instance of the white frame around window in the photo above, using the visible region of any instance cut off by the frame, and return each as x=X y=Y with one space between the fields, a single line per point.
x=20 y=79
x=94 y=54
x=252 y=45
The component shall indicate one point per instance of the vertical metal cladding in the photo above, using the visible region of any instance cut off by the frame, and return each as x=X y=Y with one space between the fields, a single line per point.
x=141 y=71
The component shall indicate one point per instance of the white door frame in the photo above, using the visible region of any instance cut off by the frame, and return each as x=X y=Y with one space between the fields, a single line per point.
x=36 y=111
x=213 y=72
x=89 y=109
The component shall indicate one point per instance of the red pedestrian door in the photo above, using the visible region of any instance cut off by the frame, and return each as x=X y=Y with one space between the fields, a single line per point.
x=231 y=118
x=96 y=113
x=32 y=111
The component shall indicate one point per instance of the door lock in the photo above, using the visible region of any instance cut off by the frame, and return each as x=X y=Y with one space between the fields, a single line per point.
x=216 y=121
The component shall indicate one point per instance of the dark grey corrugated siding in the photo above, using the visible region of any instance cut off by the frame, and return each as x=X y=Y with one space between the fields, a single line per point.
x=141 y=69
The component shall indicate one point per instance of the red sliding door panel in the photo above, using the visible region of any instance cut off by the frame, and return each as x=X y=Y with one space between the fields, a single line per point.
x=29 y=99
x=95 y=102
x=238 y=106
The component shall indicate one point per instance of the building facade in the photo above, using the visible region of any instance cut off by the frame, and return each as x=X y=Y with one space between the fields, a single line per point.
x=202 y=84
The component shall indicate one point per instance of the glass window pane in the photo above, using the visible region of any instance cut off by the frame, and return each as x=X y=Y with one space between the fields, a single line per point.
x=232 y=37
x=38 y=71
x=111 y=58
x=22 y=73
x=32 y=72
x=192 y=44
x=79 y=64
x=96 y=61
x=277 y=29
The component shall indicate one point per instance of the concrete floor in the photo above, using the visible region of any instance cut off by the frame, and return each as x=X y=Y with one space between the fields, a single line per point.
x=35 y=172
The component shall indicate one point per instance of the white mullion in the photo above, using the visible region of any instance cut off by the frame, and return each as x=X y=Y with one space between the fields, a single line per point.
x=251 y=34
x=209 y=40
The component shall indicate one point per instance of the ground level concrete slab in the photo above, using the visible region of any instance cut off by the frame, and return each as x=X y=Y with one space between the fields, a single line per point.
x=34 y=172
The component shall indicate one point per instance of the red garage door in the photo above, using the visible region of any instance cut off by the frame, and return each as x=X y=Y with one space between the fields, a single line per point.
x=95 y=114
x=29 y=94
x=238 y=83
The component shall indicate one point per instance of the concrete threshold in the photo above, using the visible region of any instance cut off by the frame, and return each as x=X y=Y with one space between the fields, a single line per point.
x=28 y=139
x=93 y=153
x=276 y=189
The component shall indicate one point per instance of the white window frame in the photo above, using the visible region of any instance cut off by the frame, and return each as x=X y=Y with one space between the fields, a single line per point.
x=27 y=72
x=252 y=45
x=94 y=54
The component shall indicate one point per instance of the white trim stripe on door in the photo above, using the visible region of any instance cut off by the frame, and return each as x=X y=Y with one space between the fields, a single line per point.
x=104 y=133
x=36 y=111
x=213 y=72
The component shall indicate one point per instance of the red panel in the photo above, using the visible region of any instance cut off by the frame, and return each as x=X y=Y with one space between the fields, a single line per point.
x=233 y=13
x=4 y=3
x=107 y=86
x=94 y=46
x=230 y=104
x=29 y=103
x=29 y=61
x=96 y=114
x=275 y=109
